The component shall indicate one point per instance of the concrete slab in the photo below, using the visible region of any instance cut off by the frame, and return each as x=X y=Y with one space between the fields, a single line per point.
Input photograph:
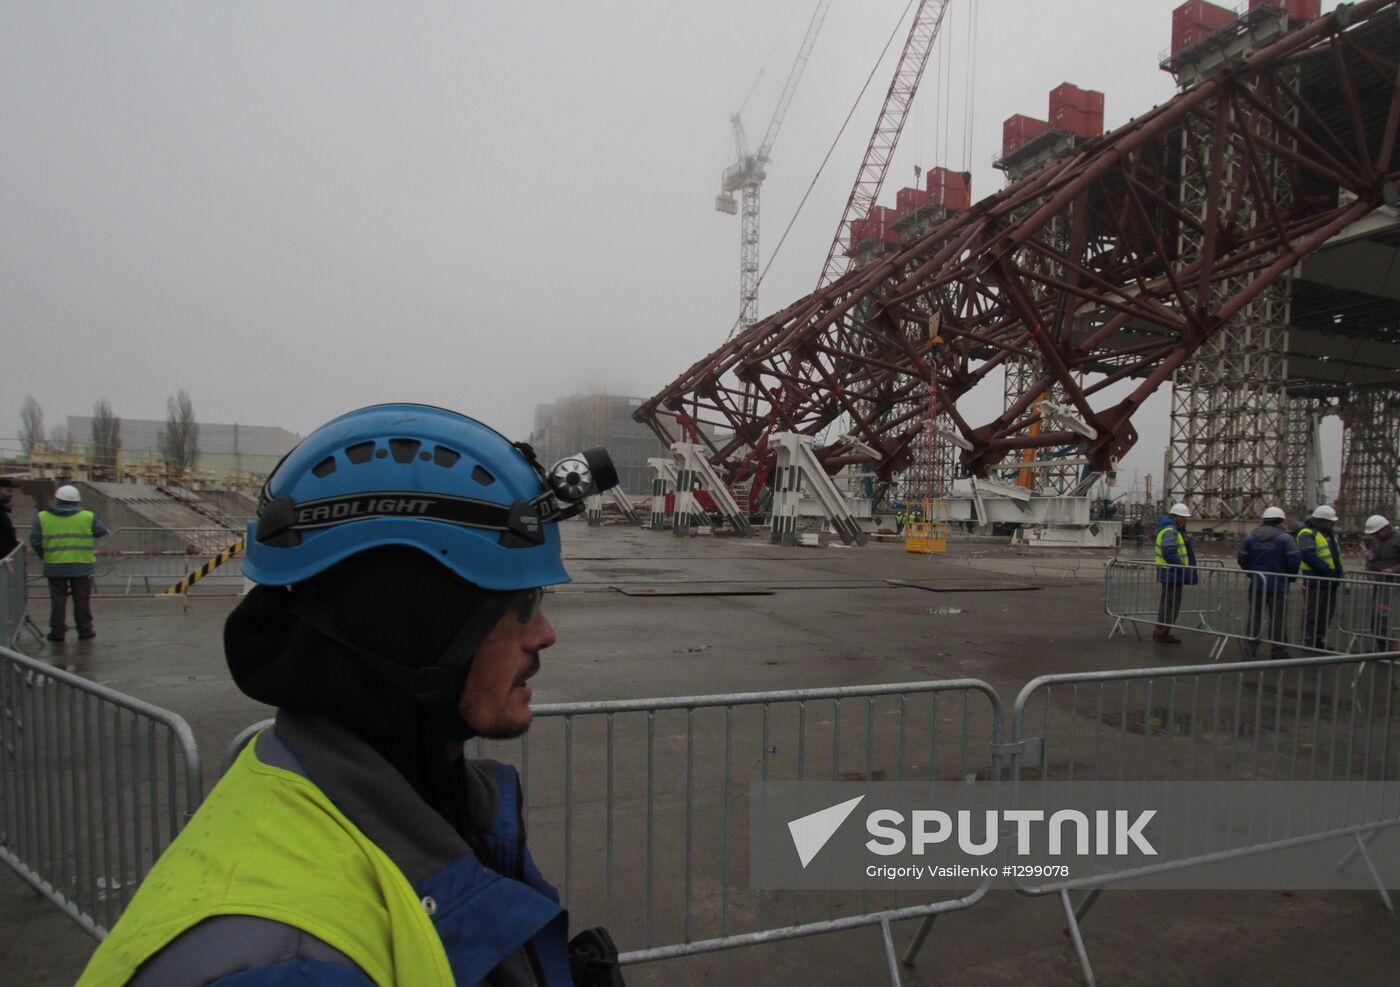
x=830 y=618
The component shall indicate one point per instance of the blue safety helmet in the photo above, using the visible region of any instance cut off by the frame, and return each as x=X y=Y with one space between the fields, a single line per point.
x=415 y=475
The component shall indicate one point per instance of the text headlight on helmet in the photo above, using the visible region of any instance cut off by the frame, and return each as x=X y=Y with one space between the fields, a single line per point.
x=424 y=477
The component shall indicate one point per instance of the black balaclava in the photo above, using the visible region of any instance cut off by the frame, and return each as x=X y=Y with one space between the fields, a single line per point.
x=393 y=602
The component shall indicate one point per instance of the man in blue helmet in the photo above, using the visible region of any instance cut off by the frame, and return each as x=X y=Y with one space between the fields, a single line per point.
x=400 y=554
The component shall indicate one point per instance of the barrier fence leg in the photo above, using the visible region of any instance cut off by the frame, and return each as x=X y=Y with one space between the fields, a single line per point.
x=890 y=956
x=1072 y=927
x=1087 y=904
x=33 y=628
x=917 y=943
x=1365 y=856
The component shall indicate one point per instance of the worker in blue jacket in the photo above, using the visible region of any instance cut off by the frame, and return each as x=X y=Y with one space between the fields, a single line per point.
x=1176 y=567
x=1322 y=560
x=400 y=554
x=1270 y=552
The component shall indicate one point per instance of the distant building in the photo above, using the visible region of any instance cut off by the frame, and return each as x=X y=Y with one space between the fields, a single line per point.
x=583 y=421
x=223 y=449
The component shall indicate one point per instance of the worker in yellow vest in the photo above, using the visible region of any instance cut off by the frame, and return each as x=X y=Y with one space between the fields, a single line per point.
x=1176 y=567
x=1321 y=560
x=64 y=538
x=399 y=555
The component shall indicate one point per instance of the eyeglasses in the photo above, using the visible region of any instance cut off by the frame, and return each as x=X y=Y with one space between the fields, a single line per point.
x=527 y=604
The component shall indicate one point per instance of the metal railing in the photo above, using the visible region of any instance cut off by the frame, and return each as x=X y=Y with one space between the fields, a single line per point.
x=153 y=559
x=1366 y=611
x=1311 y=614
x=633 y=804
x=1320 y=720
x=1132 y=596
x=157 y=558
x=644 y=802
x=13 y=592
x=93 y=786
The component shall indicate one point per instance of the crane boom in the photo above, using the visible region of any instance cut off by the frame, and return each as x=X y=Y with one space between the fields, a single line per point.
x=923 y=32
x=794 y=75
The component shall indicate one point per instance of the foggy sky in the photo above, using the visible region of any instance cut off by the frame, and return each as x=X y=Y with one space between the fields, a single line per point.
x=294 y=209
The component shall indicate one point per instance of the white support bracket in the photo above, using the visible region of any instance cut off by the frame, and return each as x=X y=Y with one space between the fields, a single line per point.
x=1063 y=416
x=695 y=468
x=797 y=462
x=663 y=478
x=624 y=504
x=984 y=489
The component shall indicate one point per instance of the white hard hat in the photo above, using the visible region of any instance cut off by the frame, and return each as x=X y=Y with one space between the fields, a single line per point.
x=1274 y=514
x=1375 y=523
x=68 y=494
x=1180 y=510
x=1324 y=513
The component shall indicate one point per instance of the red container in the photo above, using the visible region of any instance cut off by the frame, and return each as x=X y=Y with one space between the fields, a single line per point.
x=950 y=189
x=1195 y=19
x=1070 y=95
x=1081 y=123
x=1020 y=130
x=876 y=226
x=1202 y=12
x=883 y=215
x=1298 y=10
x=957 y=199
x=906 y=200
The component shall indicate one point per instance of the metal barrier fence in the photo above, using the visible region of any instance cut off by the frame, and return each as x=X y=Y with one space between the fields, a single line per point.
x=1366 y=612
x=156 y=557
x=93 y=786
x=1311 y=719
x=13 y=592
x=1132 y=596
x=637 y=802
x=1312 y=614
x=634 y=804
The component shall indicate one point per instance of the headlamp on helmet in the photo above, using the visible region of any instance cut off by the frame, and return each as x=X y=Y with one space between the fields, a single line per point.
x=574 y=479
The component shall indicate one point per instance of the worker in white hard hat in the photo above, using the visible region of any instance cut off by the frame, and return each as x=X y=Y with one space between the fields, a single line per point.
x=1176 y=567
x=1322 y=564
x=63 y=538
x=1383 y=566
x=1270 y=551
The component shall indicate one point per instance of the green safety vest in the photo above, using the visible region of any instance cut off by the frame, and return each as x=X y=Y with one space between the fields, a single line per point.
x=1161 y=556
x=331 y=881
x=67 y=538
x=1324 y=550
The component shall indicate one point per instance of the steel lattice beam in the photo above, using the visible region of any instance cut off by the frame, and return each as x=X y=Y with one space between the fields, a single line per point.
x=1077 y=271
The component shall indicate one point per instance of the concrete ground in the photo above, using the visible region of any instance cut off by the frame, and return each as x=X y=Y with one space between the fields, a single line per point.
x=827 y=618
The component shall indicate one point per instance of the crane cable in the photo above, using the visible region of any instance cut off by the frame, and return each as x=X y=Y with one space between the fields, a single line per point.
x=797 y=212
x=969 y=100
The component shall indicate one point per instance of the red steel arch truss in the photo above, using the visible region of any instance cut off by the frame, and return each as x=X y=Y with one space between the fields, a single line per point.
x=1093 y=270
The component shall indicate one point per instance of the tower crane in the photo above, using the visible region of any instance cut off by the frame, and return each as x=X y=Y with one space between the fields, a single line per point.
x=923 y=32
x=747 y=173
